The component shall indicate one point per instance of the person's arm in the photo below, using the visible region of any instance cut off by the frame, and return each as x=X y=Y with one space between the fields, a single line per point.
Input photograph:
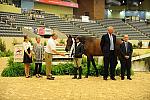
x=121 y=51
x=54 y=51
x=34 y=48
x=82 y=50
x=131 y=51
x=58 y=44
x=30 y=55
x=102 y=43
x=25 y=49
x=53 y=48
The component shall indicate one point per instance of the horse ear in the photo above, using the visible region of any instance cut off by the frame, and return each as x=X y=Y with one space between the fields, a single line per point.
x=69 y=36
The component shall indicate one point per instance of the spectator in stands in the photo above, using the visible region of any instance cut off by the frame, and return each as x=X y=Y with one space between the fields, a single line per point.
x=108 y=48
x=140 y=44
x=126 y=55
x=27 y=58
x=77 y=51
x=149 y=44
x=38 y=50
x=50 y=49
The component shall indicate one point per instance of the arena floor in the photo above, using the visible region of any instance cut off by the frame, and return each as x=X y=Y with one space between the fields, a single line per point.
x=64 y=88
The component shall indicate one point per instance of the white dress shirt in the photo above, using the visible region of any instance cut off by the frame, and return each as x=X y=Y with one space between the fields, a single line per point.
x=51 y=45
x=111 y=42
x=27 y=45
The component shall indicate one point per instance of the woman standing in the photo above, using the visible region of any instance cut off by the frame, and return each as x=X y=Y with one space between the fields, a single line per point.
x=38 y=50
x=27 y=59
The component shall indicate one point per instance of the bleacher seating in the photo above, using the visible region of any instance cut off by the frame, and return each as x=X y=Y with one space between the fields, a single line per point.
x=92 y=27
x=123 y=28
x=141 y=26
x=63 y=26
x=73 y=27
x=7 y=30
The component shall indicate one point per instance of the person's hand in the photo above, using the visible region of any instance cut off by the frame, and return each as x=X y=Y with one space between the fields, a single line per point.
x=30 y=55
x=127 y=57
x=62 y=54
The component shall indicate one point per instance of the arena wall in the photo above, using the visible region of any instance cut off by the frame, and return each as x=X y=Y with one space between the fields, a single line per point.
x=58 y=10
x=9 y=8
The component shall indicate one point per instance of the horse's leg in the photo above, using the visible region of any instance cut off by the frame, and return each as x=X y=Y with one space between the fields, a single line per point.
x=88 y=67
x=94 y=65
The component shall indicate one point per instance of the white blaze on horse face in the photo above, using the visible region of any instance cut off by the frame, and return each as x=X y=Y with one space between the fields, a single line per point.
x=72 y=47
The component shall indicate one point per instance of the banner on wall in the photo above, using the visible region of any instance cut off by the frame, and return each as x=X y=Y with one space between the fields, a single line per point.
x=45 y=31
x=18 y=53
x=58 y=2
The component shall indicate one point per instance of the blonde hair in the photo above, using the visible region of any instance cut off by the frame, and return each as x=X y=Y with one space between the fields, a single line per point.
x=110 y=27
x=37 y=37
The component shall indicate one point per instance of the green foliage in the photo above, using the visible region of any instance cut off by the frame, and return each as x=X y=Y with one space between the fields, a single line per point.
x=3 y=52
x=6 y=53
x=62 y=41
x=2 y=46
x=15 y=69
x=45 y=43
x=135 y=46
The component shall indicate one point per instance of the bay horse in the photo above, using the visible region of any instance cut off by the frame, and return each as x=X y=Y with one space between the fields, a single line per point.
x=92 y=48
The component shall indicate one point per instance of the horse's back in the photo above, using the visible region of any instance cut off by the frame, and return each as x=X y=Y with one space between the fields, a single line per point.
x=92 y=47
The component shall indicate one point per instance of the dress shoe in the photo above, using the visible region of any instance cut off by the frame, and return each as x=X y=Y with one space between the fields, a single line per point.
x=122 y=78
x=129 y=78
x=104 y=78
x=79 y=78
x=112 y=78
x=74 y=78
x=50 y=78
x=86 y=76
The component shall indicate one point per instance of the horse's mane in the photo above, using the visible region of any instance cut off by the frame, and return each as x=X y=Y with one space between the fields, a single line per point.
x=85 y=38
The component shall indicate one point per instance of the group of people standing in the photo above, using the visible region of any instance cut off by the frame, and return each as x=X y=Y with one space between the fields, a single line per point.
x=107 y=45
x=37 y=53
x=108 y=48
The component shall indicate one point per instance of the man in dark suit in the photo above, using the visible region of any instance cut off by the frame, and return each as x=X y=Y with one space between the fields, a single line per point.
x=125 y=59
x=107 y=44
x=77 y=52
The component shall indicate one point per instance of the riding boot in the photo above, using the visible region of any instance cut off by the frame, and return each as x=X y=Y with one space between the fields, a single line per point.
x=80 y=72
x=75 y=73
x=96 y=73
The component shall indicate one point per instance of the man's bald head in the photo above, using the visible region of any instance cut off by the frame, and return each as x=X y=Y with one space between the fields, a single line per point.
x=126 y=38
x=110 y=29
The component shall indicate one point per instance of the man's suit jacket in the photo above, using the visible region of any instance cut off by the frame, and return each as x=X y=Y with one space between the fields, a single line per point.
x=105 y=44
x=123 y=51
x=79 y=50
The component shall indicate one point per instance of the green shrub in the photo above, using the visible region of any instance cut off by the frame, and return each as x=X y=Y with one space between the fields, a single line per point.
x=6 y=53
x=2 y=45
x=3 y=52
x=45 y=43
x=16 y=69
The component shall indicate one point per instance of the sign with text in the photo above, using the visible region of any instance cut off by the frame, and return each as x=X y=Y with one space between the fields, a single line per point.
x=85 y=19
x=18 y=53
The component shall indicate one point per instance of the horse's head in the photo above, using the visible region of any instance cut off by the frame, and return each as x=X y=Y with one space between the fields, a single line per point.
x=69 y=43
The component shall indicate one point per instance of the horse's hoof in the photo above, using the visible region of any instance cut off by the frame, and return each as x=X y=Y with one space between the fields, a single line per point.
x=86 y=77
